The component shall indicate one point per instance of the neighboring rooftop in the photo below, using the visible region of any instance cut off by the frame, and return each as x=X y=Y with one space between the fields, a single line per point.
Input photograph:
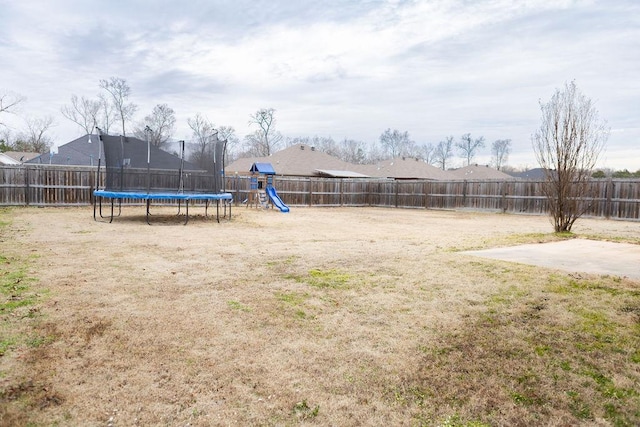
x=297 y=160
x=477 y=172
x=404 y=168
x=537 y=174
x=16 y=157
x=85 y=151
x=303 y=160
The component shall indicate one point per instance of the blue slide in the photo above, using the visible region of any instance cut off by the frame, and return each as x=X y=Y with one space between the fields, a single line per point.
x=275 y=199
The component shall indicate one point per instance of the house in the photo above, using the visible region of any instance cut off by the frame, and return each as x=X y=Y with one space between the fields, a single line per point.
x=404 y=168
x=478 y=172
x=16 y=157
x=86 y=151
x=298 y=160
x=537 y=174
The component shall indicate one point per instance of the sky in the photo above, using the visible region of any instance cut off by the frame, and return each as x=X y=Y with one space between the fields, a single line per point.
x=335 y=68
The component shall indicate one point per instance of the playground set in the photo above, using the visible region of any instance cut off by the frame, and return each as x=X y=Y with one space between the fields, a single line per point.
x=262 y=191
x=135 y=170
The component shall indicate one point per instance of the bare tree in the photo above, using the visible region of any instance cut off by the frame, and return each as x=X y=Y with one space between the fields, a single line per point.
x=157 y=126
x=34 y=138
x=443 y=152
x=107 y=114
x=83 y=112
x=228 y=133
x=397 y=143
x=353 y=151
x=500 y=150
x=426 y=152
x=6 y=140
x=469 y=146
x=567 y=146
x=9 y=102
x=202 y=147
x=120 y=91
x=265 y=140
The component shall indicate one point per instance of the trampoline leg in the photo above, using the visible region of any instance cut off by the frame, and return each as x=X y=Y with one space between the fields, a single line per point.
x=148 y=205
x=111 y=217
x=186 y=220
x=100 y=208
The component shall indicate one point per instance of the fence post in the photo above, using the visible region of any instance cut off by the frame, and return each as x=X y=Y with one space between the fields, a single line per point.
x=425 y=197
x=464 y=194
x=26 y=185
x=395 y=186
x=504 y=196
x=310 y=192
x=609 y=194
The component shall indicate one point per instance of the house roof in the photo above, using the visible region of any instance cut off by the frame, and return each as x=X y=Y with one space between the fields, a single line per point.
x=16 y=157
x=535 y=174
x=85 y=151
x=6 y=160
x=340 y=174
x=297 y=160
x=404 y=168
x=477 y=172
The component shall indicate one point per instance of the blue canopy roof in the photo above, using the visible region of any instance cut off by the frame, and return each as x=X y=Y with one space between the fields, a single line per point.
x=263 y=168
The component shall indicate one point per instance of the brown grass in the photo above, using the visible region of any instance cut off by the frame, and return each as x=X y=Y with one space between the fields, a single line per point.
x=321 y=317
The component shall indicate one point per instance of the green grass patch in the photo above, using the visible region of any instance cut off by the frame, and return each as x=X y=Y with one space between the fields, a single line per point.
x=303 y=411
x=17 y=298
x=237 y=305
x=328 y=278
x=324 y=279
x=292 y=298
x=564 y=345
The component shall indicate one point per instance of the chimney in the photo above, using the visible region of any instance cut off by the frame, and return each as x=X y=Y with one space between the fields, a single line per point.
x=302 y=147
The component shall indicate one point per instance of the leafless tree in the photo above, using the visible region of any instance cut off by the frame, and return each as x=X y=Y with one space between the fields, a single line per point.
x=443 y=152
x=469 y=146
x=107 y=115
x=157 y=126
x=265 y=140
x=567 y=145
x=6 y=140
x=396 y=143
x=353 y=151
x=83 y=112
x=201 y=146
x=34 y=138
x=9 y=102
x=119 y=92
x=426 y=152
x=228 y=133
x=500 y=150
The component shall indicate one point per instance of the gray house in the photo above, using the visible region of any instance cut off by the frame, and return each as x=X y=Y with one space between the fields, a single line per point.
x=86 y=150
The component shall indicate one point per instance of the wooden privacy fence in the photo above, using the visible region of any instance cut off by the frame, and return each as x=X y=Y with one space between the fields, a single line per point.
x=46 y=185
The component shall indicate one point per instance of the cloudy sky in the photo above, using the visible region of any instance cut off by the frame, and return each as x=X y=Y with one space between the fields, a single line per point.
x=338 y=68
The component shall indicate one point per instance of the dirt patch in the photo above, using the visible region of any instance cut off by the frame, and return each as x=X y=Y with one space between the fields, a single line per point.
x=353 y=316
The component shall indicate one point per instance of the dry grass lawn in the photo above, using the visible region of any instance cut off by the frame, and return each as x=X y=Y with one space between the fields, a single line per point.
x=346 y=316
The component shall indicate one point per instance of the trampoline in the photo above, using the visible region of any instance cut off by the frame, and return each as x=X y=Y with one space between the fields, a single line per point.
x=135 y=170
